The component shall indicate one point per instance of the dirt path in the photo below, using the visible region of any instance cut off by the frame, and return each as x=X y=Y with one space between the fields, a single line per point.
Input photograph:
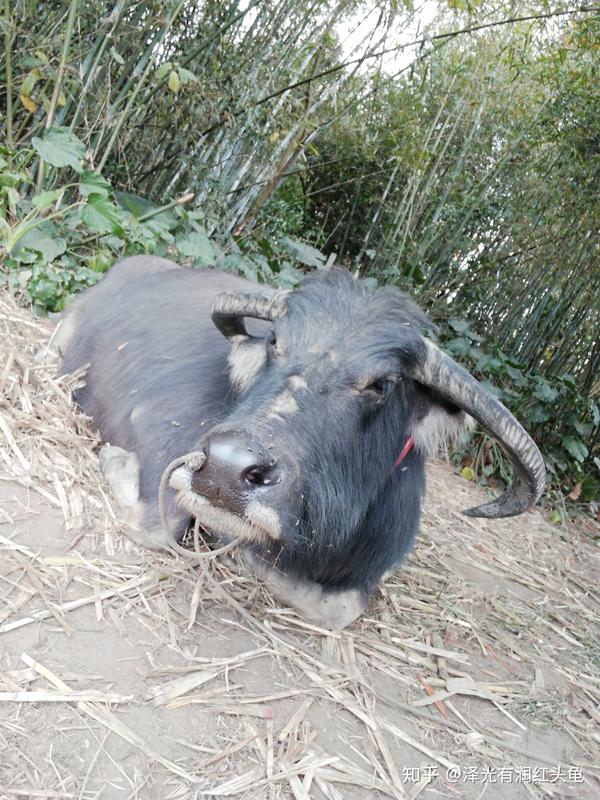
x=475 y=672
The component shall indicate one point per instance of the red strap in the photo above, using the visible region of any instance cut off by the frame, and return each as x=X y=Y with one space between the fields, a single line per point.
x=405 y=451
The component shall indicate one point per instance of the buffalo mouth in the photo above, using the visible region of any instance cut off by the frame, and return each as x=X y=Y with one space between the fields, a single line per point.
x=258 y=522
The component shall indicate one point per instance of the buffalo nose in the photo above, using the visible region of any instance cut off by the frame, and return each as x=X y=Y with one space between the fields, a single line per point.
x=235 y=466
x=240 y=457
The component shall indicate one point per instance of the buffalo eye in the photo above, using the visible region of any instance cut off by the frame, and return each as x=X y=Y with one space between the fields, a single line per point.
x=379 y=388
x=272 y=343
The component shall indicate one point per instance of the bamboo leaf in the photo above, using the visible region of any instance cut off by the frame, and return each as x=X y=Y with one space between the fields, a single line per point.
x=29 y=104
x=185 y=76
x=174 y=82
x=29 y=82
x=117 y=57
x=163 y=70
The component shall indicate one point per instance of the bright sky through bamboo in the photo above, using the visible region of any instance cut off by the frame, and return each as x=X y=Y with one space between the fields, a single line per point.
x=354 y=34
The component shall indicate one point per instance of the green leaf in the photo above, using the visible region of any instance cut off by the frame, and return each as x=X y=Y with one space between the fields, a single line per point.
x=5 y=230
x=537 y=414
x=248 y=270
x=583 y=428
x=161 y=225
x=60 y=148
x=289 y=277
x=47 y=286
x=185 y=76
x=491 y=364
x=12 y=197
x=458 y=347
x=163 y=70
x=114 y=242
x=306 y=254
x=117 y=57
x=543 y=391
x=84 y=276
x=100 y=215
x=100 y=261
x=459 y=325
x=92 y=182
x=28 y=84
x=174 y=83
x=198 y=246
x=44 y=200
x=575 y=447
x=32 y=61
x=42 y=241
x=590 y=488
x=494 y=390
x=134 y=203
x=569 y=381
x=516 y=376
x=14 y=178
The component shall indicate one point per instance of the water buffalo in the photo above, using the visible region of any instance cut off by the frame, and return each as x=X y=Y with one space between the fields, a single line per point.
x=313 y=425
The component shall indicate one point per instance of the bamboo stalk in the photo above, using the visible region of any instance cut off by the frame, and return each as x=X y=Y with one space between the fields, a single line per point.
x=59 y=79
x=10 y=142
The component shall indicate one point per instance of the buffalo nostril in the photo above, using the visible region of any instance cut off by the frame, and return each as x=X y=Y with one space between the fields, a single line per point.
x=260 y=475
x=236 y=465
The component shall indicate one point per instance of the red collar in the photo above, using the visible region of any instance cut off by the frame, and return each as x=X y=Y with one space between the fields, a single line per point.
x=404 y=452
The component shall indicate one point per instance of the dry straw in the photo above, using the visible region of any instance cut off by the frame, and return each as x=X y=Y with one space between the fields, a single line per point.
x=481 y=653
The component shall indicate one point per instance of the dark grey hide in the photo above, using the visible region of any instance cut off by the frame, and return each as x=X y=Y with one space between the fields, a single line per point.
x=321 y=399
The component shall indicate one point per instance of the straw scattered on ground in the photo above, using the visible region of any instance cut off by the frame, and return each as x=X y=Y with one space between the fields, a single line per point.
x=132 y=674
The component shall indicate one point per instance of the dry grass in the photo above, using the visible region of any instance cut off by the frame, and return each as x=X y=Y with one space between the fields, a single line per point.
x=129 y=674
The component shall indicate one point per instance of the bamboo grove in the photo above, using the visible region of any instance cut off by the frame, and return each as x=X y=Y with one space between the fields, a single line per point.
x=460 y=161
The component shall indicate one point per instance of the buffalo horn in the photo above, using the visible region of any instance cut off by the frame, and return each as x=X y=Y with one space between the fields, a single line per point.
x=230 y=308
x=440 y=372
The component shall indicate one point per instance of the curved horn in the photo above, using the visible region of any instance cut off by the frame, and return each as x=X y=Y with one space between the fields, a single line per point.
x=529 y=473
x=230 y=308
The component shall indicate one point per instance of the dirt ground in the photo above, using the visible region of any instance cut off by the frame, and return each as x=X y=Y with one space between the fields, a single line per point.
x=127 y=673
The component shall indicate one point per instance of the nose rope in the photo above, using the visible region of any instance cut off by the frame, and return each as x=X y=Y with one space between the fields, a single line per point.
x=194 y=462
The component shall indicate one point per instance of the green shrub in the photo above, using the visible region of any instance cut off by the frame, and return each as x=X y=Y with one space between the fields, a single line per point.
x=564 y=423
x=56 y=241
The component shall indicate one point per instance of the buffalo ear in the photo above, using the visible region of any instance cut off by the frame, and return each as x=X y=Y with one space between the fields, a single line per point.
x=437 y=421
x=246 y=359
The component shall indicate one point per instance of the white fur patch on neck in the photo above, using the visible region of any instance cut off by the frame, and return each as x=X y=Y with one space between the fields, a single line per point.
x=246 y=360
x=437 y=428
x=328 y=608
